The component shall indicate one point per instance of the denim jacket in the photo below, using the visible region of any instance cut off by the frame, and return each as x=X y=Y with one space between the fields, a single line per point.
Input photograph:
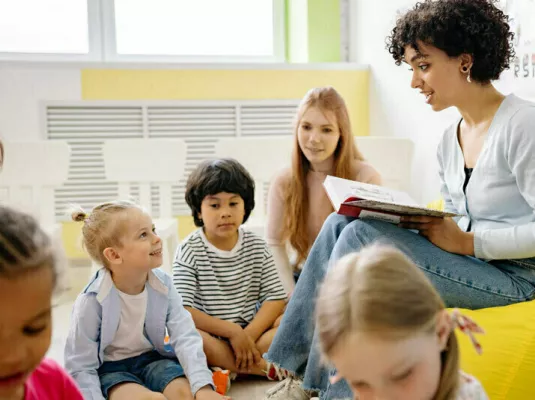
x=95 y=318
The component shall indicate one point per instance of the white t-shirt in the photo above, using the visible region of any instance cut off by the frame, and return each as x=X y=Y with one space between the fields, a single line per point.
x=470 y=389
x=130 y=340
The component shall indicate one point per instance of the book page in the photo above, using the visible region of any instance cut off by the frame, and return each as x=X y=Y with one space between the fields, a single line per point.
x=379 y=193
x=393 y=219
x=369 y=193
x=339 y=190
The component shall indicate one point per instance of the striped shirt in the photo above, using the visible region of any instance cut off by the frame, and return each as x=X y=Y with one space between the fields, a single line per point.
x=228 y=285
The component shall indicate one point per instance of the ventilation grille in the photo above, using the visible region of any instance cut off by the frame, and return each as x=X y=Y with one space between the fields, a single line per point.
x=85 y=126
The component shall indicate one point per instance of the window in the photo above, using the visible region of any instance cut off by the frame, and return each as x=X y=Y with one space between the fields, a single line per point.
x=198 y=28
x=142 y=30
x=57 y=26
x=46 y=29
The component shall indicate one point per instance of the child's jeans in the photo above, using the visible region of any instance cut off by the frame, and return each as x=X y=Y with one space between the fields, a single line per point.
x=150 y=369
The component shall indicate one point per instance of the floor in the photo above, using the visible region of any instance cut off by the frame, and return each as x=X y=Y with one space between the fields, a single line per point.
x=75 y=280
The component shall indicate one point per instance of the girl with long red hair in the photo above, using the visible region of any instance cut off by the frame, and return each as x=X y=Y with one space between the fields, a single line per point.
x=297 y=203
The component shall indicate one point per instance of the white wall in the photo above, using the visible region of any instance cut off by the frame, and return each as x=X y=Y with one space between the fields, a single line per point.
x=395 y=108
x=23 y=88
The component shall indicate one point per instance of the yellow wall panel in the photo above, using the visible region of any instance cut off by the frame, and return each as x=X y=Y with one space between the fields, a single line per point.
x=208 y=84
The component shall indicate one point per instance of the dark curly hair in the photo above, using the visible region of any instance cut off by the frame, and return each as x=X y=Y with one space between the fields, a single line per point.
x=475 y=27
x=24 y=245
x=216 y=176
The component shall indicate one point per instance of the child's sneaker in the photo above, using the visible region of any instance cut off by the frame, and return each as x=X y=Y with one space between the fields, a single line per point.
x=276 y=373
x=288 y=389
x=222 y=379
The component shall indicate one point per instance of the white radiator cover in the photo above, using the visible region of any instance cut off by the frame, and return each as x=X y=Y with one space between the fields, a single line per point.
x=86 y=124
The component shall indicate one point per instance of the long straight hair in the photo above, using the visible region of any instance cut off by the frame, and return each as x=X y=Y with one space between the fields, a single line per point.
x=380 y=290
x=326 y=99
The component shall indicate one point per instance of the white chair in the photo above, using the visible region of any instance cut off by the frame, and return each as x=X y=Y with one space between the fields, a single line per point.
x=263 y=157
x=146 y=162
x=31 y=172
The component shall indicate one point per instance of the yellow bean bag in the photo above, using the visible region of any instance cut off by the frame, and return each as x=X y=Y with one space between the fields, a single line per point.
x=506 y=369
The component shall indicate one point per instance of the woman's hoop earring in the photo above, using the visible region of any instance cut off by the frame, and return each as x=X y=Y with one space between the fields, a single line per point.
x=466 y=70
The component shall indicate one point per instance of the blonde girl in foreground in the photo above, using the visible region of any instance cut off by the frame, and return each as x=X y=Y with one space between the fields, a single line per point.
x=387 y=332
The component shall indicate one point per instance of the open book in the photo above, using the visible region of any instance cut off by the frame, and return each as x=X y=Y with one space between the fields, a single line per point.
x=362 y=200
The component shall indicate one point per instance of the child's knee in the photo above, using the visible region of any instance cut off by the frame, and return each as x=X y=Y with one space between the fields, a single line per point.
x=181 y=394
x=204 y=335
x=178 y=389
x=207 y=340
x=153 y=396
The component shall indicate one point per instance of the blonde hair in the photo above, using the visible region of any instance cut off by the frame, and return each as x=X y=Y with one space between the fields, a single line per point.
x=380 y=291
x=102 y=227
x=327 y=99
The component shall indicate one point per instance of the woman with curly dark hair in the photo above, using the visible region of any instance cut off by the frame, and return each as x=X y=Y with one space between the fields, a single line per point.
x=486 y=258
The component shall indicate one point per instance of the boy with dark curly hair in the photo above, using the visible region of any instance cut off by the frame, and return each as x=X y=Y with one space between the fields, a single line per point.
x=226 y=274
x=486 y=258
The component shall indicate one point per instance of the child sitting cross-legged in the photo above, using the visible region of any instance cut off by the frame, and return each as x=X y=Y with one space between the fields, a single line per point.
x=226 y=274
x=115 y=348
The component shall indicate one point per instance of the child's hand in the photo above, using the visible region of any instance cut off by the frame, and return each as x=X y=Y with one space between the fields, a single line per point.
x=257 y=356
x=207 y=393
x=244 y=349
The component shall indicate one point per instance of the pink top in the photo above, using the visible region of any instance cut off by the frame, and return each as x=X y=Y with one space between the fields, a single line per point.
x=50 y=382
x=319 y=208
